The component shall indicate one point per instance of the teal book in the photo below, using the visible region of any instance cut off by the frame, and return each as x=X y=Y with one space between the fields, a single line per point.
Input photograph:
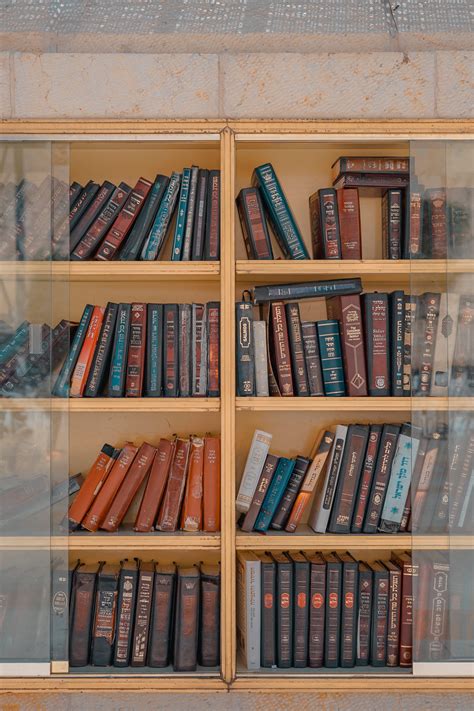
x=279 y=213
x=156 y=239
x=180 y=228
x=61 y=386
x=142 y=225
x=118 y=363
x=12 y=345
x=274 y=494
x=329 y=339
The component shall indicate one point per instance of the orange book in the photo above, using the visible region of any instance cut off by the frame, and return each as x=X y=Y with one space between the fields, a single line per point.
x=155 y=487
x=84 y=362
x=92 y=485
x=106 y=495
x=168 y=518
x=191 y=519
x=212 y=485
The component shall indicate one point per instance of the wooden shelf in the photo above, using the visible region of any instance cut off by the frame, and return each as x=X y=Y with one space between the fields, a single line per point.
x=104 y=404
x=352 y=404
x=349 y=682
x=110 y=682
x=111 y=271
x=120 y=541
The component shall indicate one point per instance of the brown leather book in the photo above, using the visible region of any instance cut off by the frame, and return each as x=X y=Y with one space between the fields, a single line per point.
x=141 y=627
x=209 y=632
x=212 y=485
x=187 y=620
x=97 y=230
x=377 y=345
x=127 y=594
x=330 y=223
x=82 y=609
x=168 y=517
x=438 y=222
x=430 y=314
x=162 y=614
x=104 y=498
x=315 y=221
x=409 y=571
x=348 y=481
x=266 y=476
x=129 y=487
x=191 y=518
x=84 y=361
x=281 y=349
x=394 y=608
x=95 y=478
x=298 y=361
x=103 y=633
x=213 y=349
x=349 y=223
x=347 y=310
x=431 y=633
x=155 y=486
x=136 y=351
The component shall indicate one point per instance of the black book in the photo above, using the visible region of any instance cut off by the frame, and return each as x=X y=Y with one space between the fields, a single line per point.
x=312 y=358
x=187 y=620
x=298 y=362
x=82 y=203
x=154 y=351
x=162 y=616
x=332 y=634
x=209 y=653
x=185 y=342
x=60 y=603
x=245 y=349
x=301 y=578
x=350 y=573
x=397 y=318
x=170 y=350
x=75 y=189
x=84 y=584
x=61 y=386
x=96 y=206
x=365 y=481
x=284 y=610
x=103 y=352
x=199 y=226
x=268 y=658
x=378 y=637
x=119 y=357
x=291 y=492
x=392 y=223
x=212 y=245
x=306 y=290
x=317 y=609
x=364 y=614
x=127 y=595
x=388 y=445
x=141 y=627
x=105 y=614
x=348 y=480
x=142 y=225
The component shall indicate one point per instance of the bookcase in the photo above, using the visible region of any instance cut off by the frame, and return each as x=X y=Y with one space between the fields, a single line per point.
x=302 y=153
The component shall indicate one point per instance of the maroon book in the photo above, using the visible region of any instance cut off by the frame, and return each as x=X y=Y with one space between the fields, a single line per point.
x=315 y=221
x=394 y=610
x=430 y=315
x=409 y=571
x=173 y=497
x=438 y=222
x=349 y=223
x=136 y=351
x=377 y=344
x=330 y=224
x=347 y=310
x=281 y=349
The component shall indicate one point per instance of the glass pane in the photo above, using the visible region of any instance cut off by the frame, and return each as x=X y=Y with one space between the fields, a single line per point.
x=442 y=385
x=34 y=338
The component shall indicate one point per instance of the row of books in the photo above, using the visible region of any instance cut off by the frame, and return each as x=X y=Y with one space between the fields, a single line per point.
x=107 y=222
x=143 y=614
x=330 y=610
x=176 y=485
x=122 y=350
x=374 y=344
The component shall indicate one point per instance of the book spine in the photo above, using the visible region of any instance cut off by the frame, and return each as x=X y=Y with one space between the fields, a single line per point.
x=81 y=622
x=82 y=203
x=301 y=613
x=192 y=502
x=438 y=223
x=275 y=491
x=286 y=503
x=431 y=305
x=445 y=343
x=211 y=510
x=378 y=655
x=134 y=242
x=61 y=386
x=285 y=603
x=186 y=632
x=367 y=180
x=101 y=360
x=142 y=618
x=317 y=613
x=103 y=634
x=213 y=348
x=397 y=308
x=19 y=338
x=364 y=617
x=117 y=234
x=249 y=611
x=268 y=621
x=156 y=238
x=118 y=365
x=331 y=358
x=299 y=372
x=245 y=349
x=91 y=487
x=199 y=351
x=84 y=360
x=333 y=615
x=199 y=226
x=347 y=310
x=393 y=626
x=254 y=227
x=349 y=614
x=188 y=232
x=95 y=208
x=94 y=235
x=438 y=600
x=161 y=618
x=154 y=351
x=400 y=478
x=171 y=506
x=372 y=165
x=268 y=471
x=349 y=223
x=184 y=349
x=253 y=468
x=331 y=237
x=261 y=358
x=281 y=349
x=377 y=343
x=409 y=315
x=310 y=290
x=413 y=223
x=425 y=479
x=136 y=351
x=180 y=227
x=381 y=476
x=170 y=350
x=319 y=516
x=312 y=358
x=409 y=571
x=155 y=487
x=392 y=237
x=462 y=381
x=212 y=246
x=209 y=626
x=315 y=222
x=366 y=478
x=348 y=482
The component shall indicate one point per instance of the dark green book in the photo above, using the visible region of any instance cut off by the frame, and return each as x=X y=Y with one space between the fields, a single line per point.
x=331 y=358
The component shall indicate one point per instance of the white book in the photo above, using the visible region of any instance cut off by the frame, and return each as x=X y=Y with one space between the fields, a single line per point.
x=248 y=608
x=444 y=344
x=253 y=468
x=322 y=505
x=261 y=358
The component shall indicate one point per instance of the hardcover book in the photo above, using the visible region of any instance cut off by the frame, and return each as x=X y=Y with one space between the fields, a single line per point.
x=376 y=322
x=245 y=349
x=155 y=486
x=365 y=483
x=274 y=493
x=317 y=609
x=170 y=350
x=364 y=614
x=281 y=349
x=332 y=625
x=388 y=443
x=142 y=225
x=171 y=506
x=312 y=358
x=155 y=241
x=154 y=350
x=285 y=506
x=284 y=610
x=212 y=245
x=349 y=605
x=199 y=227
x=119 y=358
x=103 y=632
x=320 y=512
x=101 y=360
x=347 y=310
x=249 y=608
x=209 y=626
x=260 y=340
x=400 y=478
x=349 y=223
x=298 y=362
x=268 y=471
x=253 y=223
x=268 y=658
x=256 y=457
x=329 y=215
x=392 y=224
x=136 y=351
x=211 y=509
x=306 y=290
x=141 y=627
x=180 y=226
x=115 y=237
x=378 y=642
x=301 y=574
x=397 y=317
x=331 y=358
x=162 y=613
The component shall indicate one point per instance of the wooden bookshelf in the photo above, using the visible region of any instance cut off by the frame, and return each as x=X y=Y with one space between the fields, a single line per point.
x=98 y=149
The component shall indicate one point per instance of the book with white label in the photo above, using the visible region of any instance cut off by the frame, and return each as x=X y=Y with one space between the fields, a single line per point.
x=253 y=468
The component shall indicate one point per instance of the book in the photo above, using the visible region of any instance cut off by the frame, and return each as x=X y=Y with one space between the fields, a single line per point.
x=365 y=482
x=82 y=203
x=348 y=481
x=141 y=627
x=377 y=344
x=298 y=362
x=281 y=349
x=315 y=224
x=322 y=504
x=180 y=225
x=409 y=571
x=249 y=608
x=462 y=380
x=349 y=604
x=274 y=493
x=429 y=314
x=364 y=614
x=372 y=164
x=199 y=227
x=94 y=209
x=437 y=219
x=102 y=354
x=82 y=612
x=348 y=205
x=103 y=631
x=209 y=623
x=431 y=634
x=331 y=358
x=61 y=386
x=285 y=505
x=301 y=598
x=266 y=315
x=413 y=208
x=170 y=350
x=254 y=464
x=61 y=580
x=142 y=225
x=153 y=376
x=155 y=241
x=86 y=354
x=254 y=226
x=211 y=509
x=306 y=290
x=392 y=224
x=268 y=471
x=245 y=356
x=162 y=611
x=332 y=625
x=396 y=319
x=317 y=609
x=329 y=216
x=312 y=358
x=268 y=599
x=168 y=517
x=394 y=610
x=417 y=468
x=400 y=477
x=191 y=517
x=419 y=494
x=184 y=348
x=284 y=610
x=213 y=348
x=95 y=478
x=373 y=183
x=155 y=486
x=386 y=453
x=136 y=351
x=378 y=637
x=279 y=213
x=212 y=244
x=260 y=358
x=347 y=310
x=119 y=357
x=445 y=343
x=409 y=320
x=188 y=231
x=199 y=355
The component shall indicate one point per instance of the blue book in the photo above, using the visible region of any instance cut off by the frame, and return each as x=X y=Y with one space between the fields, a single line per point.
x=181 y=219
x=14 y=343
x=329 y=339
x=118 y=363
x=279 y=213
x=61 y=386
x=156 y=239
x=154 y=350
x=274 y=494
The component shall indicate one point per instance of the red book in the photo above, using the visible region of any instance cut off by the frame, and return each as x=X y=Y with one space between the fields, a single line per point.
x=349 y=223
x=95 y=478
x=155 y=487
x=96 y=232
x=191 y=519
x=84 y=362
x=171 y=506
x=212 y=485
x=136 y=351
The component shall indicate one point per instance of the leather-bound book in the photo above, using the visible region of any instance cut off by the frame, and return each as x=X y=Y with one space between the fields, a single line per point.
x=61 y=386
x=103 y=633
x=211 y=510
x=332 y=625
x=209 y=621
x=213 y=348
x=374 y=184
x=424 y=474
x=317 y=609
x=409 y=320
x=184 y=348
x=385 y=165
x=129 y=487
x=266 y=316
x=101 y=504
x=267 y=611
x=298 y=362
x=84 y=360
x=413 y=208
x=377 y=345
x=348 y=482
x=92 y=239
x=101 y=361
x=275 y=491
x=350 y=580
x=187 y=620
x=168 y=517
x=254 y=464
x=82 y=203
x=254 y=226
x=119 y=359
x=127 y=594
x=400 y=478
x=331 y=358
x=409 y=571
x=117 y=234
x=383 y=467
x=162 y=611
x=349 y=223
x=330 y=233
x=365 y=482
x=191 y=516
x=191 y=207
x=141 y=627
x=155 y=241
x=315 y=222
x=82 y=614
x=397 y=317
x=180 y=224
x=268 y=471
x=199 y=227
x=212 y=244
x=94 y=209
x=322 y=504
x=394 y=610
x=261 y=358
x=170 y=351
x=154 y=351
x=136 y=351
x=199 y=345
x=284 y=609
x=61 y=583
x=392 y=223
x=301 y=573
x=245 y=359
x=437 y=222
x=155 y=486
x=285 y=505
x=142 y=225
x=429 y=314
x=96 y=477
x=312 y=358
x=281 y=349
x=364 y=614
x=347 y=310
x=378 y=641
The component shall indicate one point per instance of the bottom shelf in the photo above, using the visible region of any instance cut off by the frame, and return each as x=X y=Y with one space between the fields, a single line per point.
x=352 y=672
x=133 y=672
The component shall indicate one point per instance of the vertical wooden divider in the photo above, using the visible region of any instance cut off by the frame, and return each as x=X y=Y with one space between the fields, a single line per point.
x=228 y=406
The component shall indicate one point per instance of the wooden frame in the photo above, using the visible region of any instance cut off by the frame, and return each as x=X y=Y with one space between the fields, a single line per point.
x=229 y=272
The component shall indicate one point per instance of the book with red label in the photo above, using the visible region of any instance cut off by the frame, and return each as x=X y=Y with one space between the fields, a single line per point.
x=129 y=487
x=364 y=617
x=213 y=349
x=168 y=517
x=349 y=223
x=268 y=471
x=191 y=516
x=187 y=620
x=209 y=621
x=267 y=611
x=141 y=627
x=377 y=344
x=437 y=222
x=350 y=574
x=254 y=225
x=388 y=445
x=95 y=478
x=82 y=613
x=136 y=351
x=378 y=641
x=281 y=349
x=298 y=361
x=348 y=483
x=84 y=361
x=372 y=164
x=284 y=610
x=347 y=310
x=329 y=216
x=409 y=571
x=127 y=593
x=117 y=234
x=155 y=486
x=100 y=201
x=392 y=224
x=394 y=610
x=317 y=609
x=429 y=315
x=211 y=514
x=301 y=572
x=332 y=634
x=171 y=350
x=105 y=614
x=162 y=614
x=365 y=482
x=315 y=222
